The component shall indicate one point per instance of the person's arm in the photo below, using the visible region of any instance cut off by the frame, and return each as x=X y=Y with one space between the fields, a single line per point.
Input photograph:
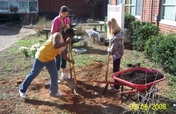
x=64 y=56
x=57 y=43
x=66 y=22
x=55 y=25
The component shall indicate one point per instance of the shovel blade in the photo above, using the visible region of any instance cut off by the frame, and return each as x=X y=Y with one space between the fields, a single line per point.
x=71 y=83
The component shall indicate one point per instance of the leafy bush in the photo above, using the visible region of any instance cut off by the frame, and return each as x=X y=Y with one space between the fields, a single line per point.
x=141 y=32
x=128 y=20
x=90 y=20
x=162 y=49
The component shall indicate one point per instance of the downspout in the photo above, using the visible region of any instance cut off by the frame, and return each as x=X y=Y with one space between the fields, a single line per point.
x=142 y=10
x=151 y=14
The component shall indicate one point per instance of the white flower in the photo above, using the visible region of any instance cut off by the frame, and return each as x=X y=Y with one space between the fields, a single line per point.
x=23 y=48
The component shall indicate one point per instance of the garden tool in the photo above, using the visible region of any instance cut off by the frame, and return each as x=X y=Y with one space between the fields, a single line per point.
x=106 y=75
x=71 y=82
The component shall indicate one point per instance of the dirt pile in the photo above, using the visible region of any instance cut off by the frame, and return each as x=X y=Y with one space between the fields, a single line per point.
x=140 y=77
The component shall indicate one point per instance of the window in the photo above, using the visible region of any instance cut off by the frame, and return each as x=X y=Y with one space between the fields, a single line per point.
x=23 y=7
x=168 y=11
x=32 y=6
x=19 y=6
x=4 y=6
x=131 y=6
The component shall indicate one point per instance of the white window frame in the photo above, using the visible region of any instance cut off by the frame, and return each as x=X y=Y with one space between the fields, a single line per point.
x=134 y=5
x=19 y=11
x=164 y=21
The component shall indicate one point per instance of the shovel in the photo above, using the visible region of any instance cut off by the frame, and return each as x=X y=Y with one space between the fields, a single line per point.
x=71 y=82
x=106 y=75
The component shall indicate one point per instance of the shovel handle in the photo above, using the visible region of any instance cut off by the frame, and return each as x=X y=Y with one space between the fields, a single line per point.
x=72 y=65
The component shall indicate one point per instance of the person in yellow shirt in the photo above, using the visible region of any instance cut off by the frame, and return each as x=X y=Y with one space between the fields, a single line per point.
x=55 y=45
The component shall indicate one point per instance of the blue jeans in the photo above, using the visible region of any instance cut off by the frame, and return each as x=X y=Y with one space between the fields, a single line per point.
x=60 y=62
x=36 y=69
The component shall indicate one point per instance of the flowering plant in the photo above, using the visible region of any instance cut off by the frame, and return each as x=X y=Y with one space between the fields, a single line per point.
x=34 y=49
x=30 y=52
x=25 y=51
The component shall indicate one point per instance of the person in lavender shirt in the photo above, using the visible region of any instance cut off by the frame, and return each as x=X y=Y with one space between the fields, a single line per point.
x=116 y=48
x=59 y=23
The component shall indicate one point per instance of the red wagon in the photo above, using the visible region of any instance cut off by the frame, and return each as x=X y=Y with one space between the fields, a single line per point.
x=139 y=87
x=155 y=77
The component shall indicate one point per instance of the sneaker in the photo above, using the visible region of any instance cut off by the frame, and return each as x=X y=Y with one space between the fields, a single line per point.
x=58 y=81
x=64 y=76
x=114 y=90
x=22 y=95
x=56 y=95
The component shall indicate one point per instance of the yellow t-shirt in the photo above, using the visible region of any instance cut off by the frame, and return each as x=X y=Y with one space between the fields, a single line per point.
x=47 y=52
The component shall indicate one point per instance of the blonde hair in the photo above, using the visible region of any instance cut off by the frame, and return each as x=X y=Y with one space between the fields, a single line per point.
x=114 y=27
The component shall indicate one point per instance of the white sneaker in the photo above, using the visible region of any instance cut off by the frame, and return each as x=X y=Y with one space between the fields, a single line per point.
x=64 y=76
x=56 y=95
x=22 y=95
x=58 y=81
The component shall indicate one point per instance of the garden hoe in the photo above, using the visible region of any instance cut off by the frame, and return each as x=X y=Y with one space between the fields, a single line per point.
x=71 y=82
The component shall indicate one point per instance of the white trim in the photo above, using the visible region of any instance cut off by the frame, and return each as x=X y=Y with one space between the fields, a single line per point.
x=137 y=17
x=172 y=23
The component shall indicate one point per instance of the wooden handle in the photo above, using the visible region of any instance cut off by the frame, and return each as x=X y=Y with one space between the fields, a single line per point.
x=106 y=76
x=72 y=65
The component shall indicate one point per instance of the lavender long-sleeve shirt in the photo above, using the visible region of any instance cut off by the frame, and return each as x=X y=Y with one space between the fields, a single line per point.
x=56 y=24
x=117 y=45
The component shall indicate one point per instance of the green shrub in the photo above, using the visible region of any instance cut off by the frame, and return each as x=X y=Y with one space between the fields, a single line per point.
x=162 y=50
x=127 y=24
x=90 y=20
x=141 y=32
x=128 y=20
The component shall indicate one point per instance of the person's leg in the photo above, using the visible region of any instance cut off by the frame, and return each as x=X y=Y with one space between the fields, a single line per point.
x=63 y=67
x=116 y=68
x=51 y=67
x=37 y=67
x=58 y=61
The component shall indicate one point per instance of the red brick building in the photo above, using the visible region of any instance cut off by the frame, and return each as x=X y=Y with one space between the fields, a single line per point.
x=160 y=12
x=50 y=8
x=78 y=7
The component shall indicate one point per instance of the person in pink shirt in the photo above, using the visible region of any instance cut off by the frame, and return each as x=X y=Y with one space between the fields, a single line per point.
x=59 y=23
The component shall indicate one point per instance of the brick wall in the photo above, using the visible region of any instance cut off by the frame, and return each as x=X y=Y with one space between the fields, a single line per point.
x=79 y=7
x=167 y=28
x=150 y=8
